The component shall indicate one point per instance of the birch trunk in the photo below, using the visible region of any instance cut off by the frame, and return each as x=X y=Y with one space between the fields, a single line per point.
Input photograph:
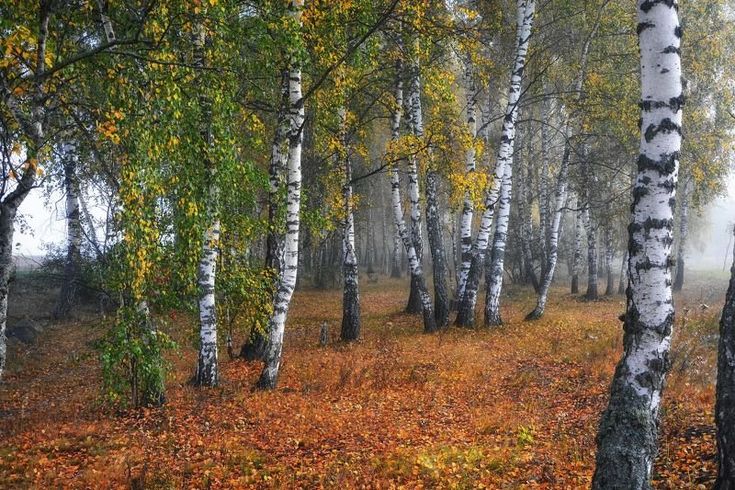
x=256 y=346
x=466 y=311
x=545 y=216
x=622 y=283
x=577 y=260
x=438 y=255
x=433 y=221
x=524 y=209
x=553 y=247
x=414 y=263
x=70 y=285
x=591 y=230
x=725 y=401
x=465 y=227
x=351 y=294
x=207 y=373
x=416 y=123
x=494 y=277
x=683 y=234
x=287 y=278
x=34 y=129
x=627 y=437
x=609 y=253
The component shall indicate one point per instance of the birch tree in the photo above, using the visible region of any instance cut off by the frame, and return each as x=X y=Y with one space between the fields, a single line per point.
x=683 y=233
x=725 y=392
x=70 y=285
x=351 y=294
x=287 y=280
x=414 y=264
x=465 y=227
x=495 y=273
x=466 y=310
x=627 y=436
x=207 y=373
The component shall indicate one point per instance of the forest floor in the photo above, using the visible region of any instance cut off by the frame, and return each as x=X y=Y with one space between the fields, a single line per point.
x=512 y=407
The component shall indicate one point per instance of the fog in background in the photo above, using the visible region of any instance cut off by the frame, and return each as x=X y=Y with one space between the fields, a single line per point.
x=711 y=233
x=709 y=246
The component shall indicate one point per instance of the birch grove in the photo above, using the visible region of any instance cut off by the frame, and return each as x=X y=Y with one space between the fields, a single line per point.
x=256 y=227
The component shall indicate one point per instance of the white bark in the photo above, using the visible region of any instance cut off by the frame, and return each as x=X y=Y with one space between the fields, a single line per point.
x=351 y=295
x=627 y=439
x=494 y=280
x=465 y=317
x=465 y=227
x=414 y=263
x=69 y=289
x=287 y=280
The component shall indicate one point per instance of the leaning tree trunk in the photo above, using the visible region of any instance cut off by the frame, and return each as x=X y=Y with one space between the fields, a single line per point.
x=553 y=248
x=577 y=259
x=683 y=233
x=610 y=288
x=627 y=437
x=207 y=372
x=465 y=227
x=351 y=294
x=72 y=266
x=725 y=402
x=494 y=277
x=466 y=310
x=414 y=263
x=287 y=279
x=256 y=345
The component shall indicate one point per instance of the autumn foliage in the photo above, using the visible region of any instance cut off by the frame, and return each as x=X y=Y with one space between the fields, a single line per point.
x=514 y=407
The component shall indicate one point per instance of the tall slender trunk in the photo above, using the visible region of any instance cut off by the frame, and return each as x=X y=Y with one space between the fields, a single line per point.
x=577 y=259
x=351 y=294
x=683 y=234
x=438 y=255
x=526 y=231
x=287 y=279
x=545 y=216
x=207 y=372
x=433 y=221
x=256 y=345
x=395 y=270
x=416 y=123
x=465 y=227
x=466 y=310
x=609 y=254
x=627 y=437
x=7 y=219
x=591 y=229
x=725 y=401
x=553 y=248
x=414 y=263
x=494 y=277
x=33 y=128
x=72 y=266
x=623 y=281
